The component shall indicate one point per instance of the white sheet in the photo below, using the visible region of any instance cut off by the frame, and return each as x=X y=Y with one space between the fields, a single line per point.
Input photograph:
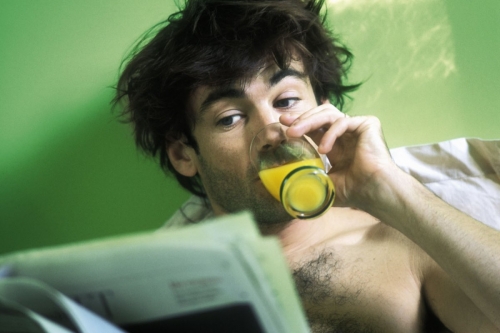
x=464 y=172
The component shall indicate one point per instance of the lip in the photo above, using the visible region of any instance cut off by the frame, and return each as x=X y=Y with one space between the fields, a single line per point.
x=255 y=177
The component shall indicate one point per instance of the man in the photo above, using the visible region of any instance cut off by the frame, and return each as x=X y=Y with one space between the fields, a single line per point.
x=390 y=256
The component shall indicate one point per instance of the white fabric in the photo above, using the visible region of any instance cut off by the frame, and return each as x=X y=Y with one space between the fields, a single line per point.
x=463 y=172
x=195 y=209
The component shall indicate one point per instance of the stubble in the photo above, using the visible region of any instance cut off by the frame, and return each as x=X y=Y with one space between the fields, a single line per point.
x=234 y=193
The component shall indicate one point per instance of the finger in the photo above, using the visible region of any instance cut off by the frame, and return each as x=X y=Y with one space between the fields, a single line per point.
x=339 y=128
x=289 y=118
x=321 y=119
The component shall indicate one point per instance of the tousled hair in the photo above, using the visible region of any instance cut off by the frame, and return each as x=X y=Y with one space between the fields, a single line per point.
x=217 y=42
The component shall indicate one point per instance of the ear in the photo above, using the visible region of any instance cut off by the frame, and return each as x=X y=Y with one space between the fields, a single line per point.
x=183 y=158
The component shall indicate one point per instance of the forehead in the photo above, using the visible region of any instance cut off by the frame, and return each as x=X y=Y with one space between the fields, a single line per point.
x=265 y=76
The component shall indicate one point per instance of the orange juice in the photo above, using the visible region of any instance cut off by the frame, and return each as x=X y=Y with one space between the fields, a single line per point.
x=309 y=192
x=306 y=193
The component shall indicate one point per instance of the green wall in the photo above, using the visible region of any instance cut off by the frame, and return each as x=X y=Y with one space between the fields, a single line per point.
x=431 y=67
x=69 y=171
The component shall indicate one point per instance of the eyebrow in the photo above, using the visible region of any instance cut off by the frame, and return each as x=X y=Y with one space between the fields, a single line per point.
x=221 y=93
x=283 y=73
x=232 y=92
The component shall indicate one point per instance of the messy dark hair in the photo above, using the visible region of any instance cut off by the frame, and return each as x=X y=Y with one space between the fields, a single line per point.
x=216 y=42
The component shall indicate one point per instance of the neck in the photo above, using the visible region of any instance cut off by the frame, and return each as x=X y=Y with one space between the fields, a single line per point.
x=339 y=225
x=297 y=235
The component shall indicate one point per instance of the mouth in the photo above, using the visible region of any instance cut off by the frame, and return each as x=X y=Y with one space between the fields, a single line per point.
x=255 y=177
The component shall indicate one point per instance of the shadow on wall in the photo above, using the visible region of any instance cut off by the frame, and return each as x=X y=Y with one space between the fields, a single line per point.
x=88 y=182
x=429 y=67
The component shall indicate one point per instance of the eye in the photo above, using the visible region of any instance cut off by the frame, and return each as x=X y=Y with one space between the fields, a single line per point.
x=286 y=103
x=229 y=120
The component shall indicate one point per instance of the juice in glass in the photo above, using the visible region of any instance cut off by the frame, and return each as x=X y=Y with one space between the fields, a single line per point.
x=292 y=171
x=307 y=193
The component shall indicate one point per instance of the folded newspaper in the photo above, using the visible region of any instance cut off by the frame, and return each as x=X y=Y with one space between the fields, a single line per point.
x=219 y=276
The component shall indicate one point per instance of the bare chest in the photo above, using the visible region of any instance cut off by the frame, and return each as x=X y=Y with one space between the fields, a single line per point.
x=367 y=287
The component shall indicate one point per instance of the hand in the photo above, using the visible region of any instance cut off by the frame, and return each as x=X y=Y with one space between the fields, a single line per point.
x=355 y=147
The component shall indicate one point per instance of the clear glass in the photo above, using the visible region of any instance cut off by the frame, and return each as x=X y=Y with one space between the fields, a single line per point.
x=293 y=172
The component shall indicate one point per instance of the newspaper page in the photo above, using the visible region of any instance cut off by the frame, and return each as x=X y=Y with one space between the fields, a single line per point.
x=263 y=259
x=30 y=306
x=220 y=276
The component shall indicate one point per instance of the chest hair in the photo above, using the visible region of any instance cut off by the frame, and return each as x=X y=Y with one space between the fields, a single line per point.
x=322 y=285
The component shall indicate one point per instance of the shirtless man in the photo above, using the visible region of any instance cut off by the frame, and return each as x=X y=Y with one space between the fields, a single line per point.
x=390 y=256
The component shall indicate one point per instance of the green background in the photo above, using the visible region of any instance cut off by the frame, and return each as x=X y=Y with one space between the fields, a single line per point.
x=69 y=171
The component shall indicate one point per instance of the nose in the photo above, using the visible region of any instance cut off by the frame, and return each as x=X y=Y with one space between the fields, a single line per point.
x=267 y=145
x=271 y=136
x=264 y=115
x=267 y=133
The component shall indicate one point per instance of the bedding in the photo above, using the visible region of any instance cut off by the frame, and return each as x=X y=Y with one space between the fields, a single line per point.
x=464 y=172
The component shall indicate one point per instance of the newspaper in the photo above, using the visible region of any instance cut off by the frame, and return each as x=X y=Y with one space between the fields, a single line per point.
x=219 y=276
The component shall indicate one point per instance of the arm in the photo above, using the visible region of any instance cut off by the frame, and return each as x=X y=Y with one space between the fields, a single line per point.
x=467 y=250
x=366 y=177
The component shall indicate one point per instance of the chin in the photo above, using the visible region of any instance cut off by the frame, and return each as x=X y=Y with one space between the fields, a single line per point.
x=269 y=217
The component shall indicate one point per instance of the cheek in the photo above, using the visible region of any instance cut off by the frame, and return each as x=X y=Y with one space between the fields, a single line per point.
x=225 y=151
x=223 y=148
x=225 y=155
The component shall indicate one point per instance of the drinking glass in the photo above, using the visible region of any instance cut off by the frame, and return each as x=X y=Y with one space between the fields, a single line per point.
x=293 y=171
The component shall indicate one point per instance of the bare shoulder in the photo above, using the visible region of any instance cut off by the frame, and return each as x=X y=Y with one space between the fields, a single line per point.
x=450 y=303
x=444 y=306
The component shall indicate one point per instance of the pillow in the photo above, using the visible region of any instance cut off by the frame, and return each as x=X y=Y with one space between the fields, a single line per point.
x=463 y=172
